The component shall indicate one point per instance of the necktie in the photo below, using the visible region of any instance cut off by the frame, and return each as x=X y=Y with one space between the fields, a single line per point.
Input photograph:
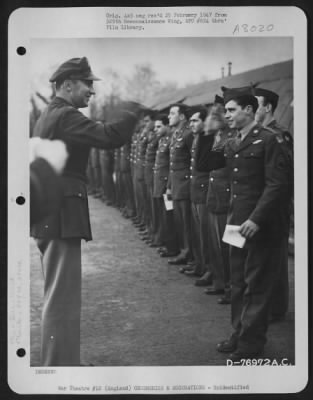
x=238 y=139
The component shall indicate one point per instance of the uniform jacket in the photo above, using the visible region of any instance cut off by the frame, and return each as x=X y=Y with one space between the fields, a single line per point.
x=180 y=155
x=125 y=158
x=258 y=177
x=142 y=143
x=218 y=196
x=162 y=163
x=199 y=181
x=107 y=160
x=151 y=150
x=45 y=190
x=60 y=120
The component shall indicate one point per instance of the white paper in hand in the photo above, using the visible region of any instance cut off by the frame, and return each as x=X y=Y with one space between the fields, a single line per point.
x=233 y=237
x=168 y=203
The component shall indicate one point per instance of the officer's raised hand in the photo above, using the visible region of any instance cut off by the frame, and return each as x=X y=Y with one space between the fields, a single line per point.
x=248 y=229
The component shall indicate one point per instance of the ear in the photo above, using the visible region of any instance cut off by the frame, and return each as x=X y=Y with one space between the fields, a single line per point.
x=248 y=109
x=268 y=107
x=67 y=84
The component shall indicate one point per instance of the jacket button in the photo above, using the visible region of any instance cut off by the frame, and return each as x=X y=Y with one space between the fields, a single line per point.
x=211 y=179
x=235 y=196
x=202 y=185
x=79 y=194
x=190 y=167
x=235 y=182
x=46 y=226
x=236 y=155
x=227 y=190
x=235 y=169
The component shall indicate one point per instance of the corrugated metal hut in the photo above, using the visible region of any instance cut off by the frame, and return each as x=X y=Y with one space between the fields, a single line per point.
x=277 y=77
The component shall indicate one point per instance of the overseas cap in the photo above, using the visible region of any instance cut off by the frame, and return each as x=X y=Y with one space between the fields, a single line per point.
x=75 y=68
x=218 y=100
x=271 y=96
x=232 y=93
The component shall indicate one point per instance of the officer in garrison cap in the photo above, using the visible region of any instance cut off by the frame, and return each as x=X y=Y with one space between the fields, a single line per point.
x=268 y=101
x=258 y=171
x=59 y=235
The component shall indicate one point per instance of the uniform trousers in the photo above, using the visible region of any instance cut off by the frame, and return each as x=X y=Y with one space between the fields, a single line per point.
x=218 y=250
x=280 y=300
x=127 y=186
x=140 y=195
x=107 y=178
x=199 y=237
x=154 y=222
x=254 y=271
x=60 y=325
x=167 y=230
x=182 y=218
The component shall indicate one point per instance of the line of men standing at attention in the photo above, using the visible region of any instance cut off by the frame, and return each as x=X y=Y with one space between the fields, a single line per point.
x=229 y=164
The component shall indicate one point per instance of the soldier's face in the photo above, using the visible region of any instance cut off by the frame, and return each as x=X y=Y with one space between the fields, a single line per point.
x=261 y=111
x=159 y=127
x=147 y=120
x=174 y=116
x=81 y=91
x=236 y=116
x=196 y=123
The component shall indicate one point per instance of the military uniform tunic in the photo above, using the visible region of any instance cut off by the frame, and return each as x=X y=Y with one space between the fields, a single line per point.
x=59 y=235
x=259 y=182
x=179 y=183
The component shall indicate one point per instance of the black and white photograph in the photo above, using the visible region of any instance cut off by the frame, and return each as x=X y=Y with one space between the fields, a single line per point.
x=165 y=227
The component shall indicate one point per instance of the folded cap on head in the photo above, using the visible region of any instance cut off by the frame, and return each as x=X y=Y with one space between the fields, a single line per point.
x=218 y=100
x=232 y=93
x=271 y=96
x=75 y=68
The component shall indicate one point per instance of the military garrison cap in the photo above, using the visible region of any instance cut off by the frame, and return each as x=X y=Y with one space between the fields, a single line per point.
x=218 y=100
x=75 y=68
x=271 y=96
x=232 y=93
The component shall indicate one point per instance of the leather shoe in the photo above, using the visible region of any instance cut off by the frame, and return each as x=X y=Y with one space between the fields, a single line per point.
x=177 y=261
x=182 y=270
x=192 y=272
x=205 y=280
x=213 y=291
x=155 y=244
x=238 y=354
x=168 y=254
x=227 y=346
x=224 y=300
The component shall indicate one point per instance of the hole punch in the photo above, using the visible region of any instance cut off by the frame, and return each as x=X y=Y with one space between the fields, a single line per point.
x=20 y=200
x=21 y=50
x=21 y=352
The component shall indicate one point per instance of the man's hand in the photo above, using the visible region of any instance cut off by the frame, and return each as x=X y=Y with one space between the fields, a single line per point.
x=133 y=107
x=248 y=229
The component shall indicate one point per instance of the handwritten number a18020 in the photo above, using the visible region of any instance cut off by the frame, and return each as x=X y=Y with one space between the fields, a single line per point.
x=246 y=28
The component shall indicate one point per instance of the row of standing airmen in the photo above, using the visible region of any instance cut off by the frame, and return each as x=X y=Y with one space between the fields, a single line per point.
x=160 y=161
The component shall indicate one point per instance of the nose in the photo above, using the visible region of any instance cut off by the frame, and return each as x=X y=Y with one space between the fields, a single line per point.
x=227 y=115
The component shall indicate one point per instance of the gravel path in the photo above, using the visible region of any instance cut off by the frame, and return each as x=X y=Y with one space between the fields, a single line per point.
x=138 y=310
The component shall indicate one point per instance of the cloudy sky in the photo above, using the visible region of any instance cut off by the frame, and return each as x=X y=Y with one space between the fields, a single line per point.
x=180 y=60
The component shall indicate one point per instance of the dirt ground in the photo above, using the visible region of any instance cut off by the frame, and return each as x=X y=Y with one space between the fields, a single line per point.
x=138 y=310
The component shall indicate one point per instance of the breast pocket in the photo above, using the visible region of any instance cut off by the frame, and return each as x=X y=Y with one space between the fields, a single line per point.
x=253 y=153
